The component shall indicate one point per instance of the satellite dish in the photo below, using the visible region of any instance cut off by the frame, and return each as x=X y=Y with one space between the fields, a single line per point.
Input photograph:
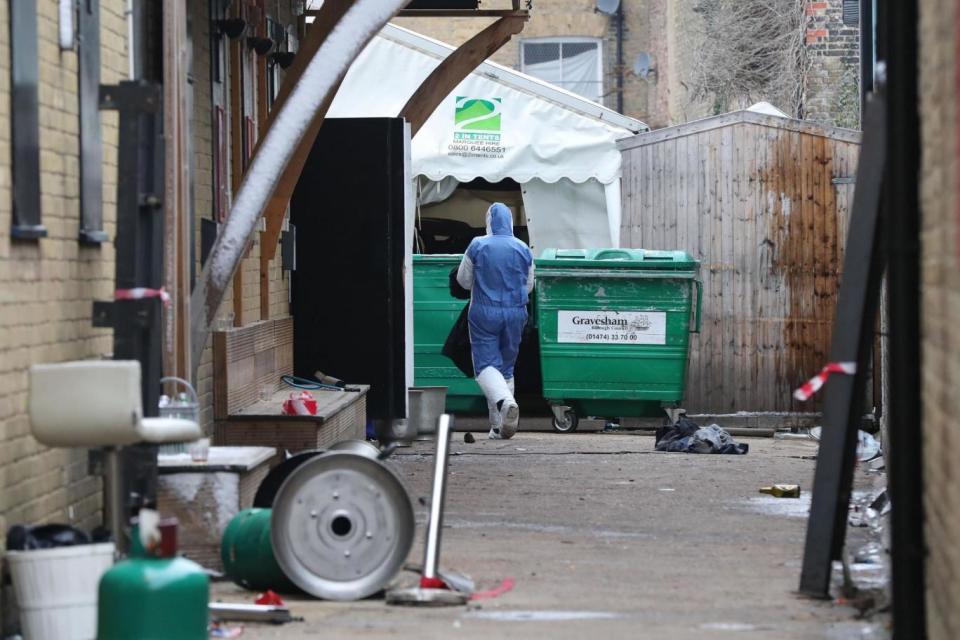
x=643 y=65
x=608 y=7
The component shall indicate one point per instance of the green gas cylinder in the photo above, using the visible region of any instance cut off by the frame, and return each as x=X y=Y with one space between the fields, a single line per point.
x=151 y=598
x=247 y=553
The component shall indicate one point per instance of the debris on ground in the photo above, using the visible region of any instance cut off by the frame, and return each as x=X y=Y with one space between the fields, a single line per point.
x=867 y=510
x=782 y=490
x=468 y=438
x=686 y=436
x=224 y=611
x=218 y=630
x=269 y=597
x=868 y=447
x=506 y=585
x=866 y=565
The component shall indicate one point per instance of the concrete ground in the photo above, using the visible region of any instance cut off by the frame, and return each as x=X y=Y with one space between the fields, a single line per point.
x=604 y=538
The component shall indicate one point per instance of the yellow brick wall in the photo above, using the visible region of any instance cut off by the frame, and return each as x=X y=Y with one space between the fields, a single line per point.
x=941 y=309
x=47 y=286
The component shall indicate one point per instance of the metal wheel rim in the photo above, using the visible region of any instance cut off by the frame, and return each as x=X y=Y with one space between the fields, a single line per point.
x=360 y=447
x=370 y=503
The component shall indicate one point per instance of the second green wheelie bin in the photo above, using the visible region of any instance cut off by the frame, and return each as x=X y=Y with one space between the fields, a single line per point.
x=615 y=330
x=434 y=313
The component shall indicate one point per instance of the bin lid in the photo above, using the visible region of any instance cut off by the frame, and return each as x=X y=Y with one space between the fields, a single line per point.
x=437 y=258
x=616 y=259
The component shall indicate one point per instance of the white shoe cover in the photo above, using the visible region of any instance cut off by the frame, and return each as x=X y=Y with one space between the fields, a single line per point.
x=509 y=418
x=493 y=385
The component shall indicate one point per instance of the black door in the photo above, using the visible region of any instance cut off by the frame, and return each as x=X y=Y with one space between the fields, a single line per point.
x=348 y=295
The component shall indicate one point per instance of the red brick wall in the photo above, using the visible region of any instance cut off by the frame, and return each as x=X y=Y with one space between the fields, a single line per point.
x=832 y=91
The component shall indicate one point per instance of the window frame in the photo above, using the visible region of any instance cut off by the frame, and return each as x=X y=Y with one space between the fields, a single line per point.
x=561 y=40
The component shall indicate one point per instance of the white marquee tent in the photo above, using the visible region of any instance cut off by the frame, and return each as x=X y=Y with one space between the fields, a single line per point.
x=499 y=124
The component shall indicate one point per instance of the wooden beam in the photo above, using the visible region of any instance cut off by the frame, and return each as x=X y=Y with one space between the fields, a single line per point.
x=269 y=168
x=263 y=110
x=458 y=66
x=236 y=152
x=177 y=203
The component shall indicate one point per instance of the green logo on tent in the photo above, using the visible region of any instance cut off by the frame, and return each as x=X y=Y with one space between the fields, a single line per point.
x=477 y=114
x=476 y=128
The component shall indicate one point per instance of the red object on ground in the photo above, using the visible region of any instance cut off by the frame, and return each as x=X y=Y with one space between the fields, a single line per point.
x=506 y=585
x=432 y=583
x=300 y=404
x=269 y=598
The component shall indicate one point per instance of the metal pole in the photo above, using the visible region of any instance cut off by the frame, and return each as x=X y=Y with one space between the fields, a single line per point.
x=114 y=506
x=902 y=217
x=431 y=554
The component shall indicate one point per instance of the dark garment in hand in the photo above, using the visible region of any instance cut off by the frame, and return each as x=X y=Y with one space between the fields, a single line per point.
x=457 y=346
x=456 y=290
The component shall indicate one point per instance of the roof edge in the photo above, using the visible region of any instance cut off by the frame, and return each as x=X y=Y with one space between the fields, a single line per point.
x=739 y=117
x=518 y=80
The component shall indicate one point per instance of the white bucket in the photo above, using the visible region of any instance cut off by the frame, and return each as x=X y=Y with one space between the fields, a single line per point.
x=57 y=590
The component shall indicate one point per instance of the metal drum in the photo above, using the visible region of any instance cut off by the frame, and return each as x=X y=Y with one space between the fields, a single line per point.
x=247 y=555
x=342 y=526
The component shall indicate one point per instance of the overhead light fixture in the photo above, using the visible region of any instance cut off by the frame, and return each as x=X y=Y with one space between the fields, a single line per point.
x=608 y=7
x=233 y=28
x=261 y=45
x=283 y=58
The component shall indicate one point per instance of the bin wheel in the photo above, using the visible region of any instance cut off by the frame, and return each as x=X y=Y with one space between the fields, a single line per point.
x=568 y=424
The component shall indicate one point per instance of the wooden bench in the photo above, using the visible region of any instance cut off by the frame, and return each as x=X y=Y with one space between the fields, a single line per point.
x=248 y=361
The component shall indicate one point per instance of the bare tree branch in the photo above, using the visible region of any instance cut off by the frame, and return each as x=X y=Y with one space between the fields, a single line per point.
x=751 y=50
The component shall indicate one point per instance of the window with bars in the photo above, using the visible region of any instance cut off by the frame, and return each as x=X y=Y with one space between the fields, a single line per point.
x=572 y=63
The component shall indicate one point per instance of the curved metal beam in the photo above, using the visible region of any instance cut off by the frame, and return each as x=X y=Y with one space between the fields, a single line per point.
x=321 y=76
x=458 y=66
x=276 y=207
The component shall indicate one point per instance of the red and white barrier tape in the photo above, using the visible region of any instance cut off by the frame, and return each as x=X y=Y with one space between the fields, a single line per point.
x=506 y=585
x=811 y=386
x=140 y=293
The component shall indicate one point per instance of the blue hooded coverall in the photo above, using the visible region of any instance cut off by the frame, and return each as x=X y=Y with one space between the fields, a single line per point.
x=498 y=270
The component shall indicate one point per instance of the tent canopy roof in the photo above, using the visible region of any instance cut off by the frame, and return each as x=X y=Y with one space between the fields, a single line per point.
x=497 y=124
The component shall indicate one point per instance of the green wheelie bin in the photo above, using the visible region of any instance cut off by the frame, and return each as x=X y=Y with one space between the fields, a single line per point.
x=614 y=329
x=434 y=313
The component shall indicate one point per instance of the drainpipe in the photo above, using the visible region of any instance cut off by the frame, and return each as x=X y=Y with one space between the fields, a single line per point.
x=620 y=58
x=867 y=58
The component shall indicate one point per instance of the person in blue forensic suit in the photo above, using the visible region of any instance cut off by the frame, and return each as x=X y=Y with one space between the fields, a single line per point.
x=498 y=270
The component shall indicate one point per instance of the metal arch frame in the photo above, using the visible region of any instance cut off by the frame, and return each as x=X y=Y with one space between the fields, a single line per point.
x=424 y=101
x=305 y=100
